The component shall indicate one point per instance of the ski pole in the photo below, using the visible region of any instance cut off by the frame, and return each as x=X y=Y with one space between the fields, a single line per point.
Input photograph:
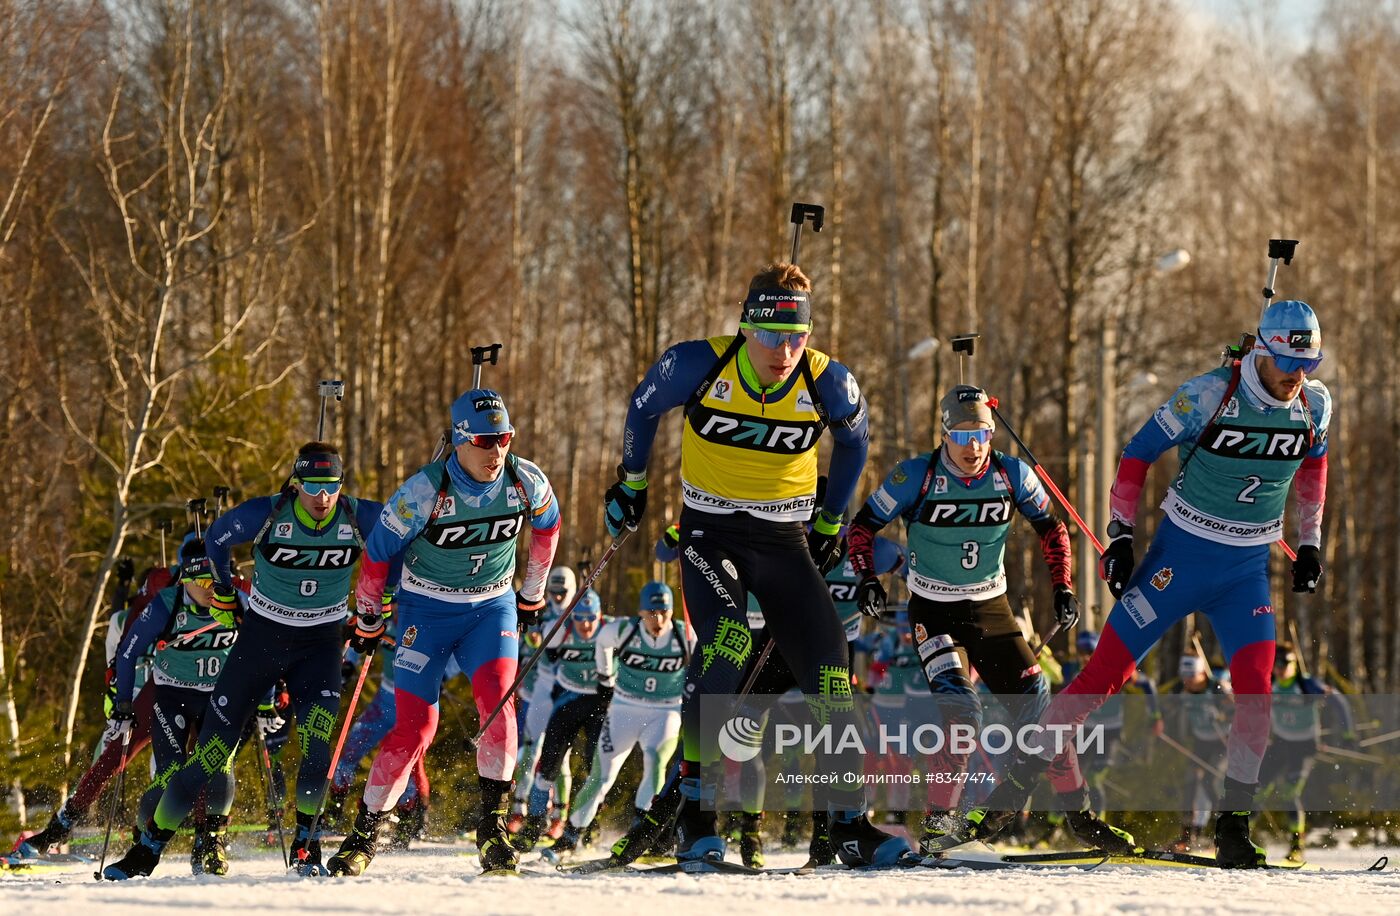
x=1186 y=752
x=801 y=213
x=1037 y=649
x=584 y=586
x=118 y=792
x=272 y=810
x=162 y=644
x=757 y=667
x=335 y=757
x=1045 y=478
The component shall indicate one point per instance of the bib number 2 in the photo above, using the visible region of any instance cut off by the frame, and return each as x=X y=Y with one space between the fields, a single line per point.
x=1247 y=494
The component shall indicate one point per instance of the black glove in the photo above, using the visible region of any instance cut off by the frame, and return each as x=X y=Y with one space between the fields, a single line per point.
x=624 y=503
x=126 y=570
x=825 y=543
x=605 y=693
x=1307 y=569
x=121 y=717
x=369 y=630
x=1116 y=564
x=1066 y=606
x=527 y=612
x=871 y=597
x=671 y=537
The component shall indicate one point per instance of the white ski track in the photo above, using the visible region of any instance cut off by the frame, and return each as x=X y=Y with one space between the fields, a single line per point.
x=437 y=878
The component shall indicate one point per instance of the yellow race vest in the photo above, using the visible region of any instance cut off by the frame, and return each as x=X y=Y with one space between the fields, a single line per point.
x=741 y=454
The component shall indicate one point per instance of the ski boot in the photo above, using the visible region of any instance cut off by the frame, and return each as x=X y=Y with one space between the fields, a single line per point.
x=55 y=832
x=651 y=826
x=142 y=858
x=590 y=833
x=935 y=826
x=1091 y=830
x=493 y=843
x=1094 y=832
x=859 y=843
x=751 y=840
x=1233 y=847
x=570 y=838
x=1295 y=847
x=355 y=854
x=1004 y=805
x=696 y=833
x=820 y=851
x=213 y=844
x=305 y=854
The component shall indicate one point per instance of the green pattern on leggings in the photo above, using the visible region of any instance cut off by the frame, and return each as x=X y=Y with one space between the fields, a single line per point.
x=319 y=725
x=214 y=757
x=732 y=642
x=834 y=693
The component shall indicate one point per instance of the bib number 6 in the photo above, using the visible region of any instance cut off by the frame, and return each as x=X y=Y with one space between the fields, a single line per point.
x=308 y=587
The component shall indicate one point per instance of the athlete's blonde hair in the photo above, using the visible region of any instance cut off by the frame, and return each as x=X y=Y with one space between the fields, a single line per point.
x=781 y=274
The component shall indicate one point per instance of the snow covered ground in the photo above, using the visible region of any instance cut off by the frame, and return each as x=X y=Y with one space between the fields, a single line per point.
x=443 y=879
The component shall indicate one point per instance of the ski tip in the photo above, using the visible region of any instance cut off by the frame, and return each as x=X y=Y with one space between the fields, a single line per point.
x=1380 y=864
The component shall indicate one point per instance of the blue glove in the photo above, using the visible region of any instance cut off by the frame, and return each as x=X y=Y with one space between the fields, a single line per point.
x=625 y=501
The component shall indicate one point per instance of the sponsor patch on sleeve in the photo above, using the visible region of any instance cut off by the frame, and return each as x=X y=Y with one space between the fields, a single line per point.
x=884 y=501
x=1167 y=420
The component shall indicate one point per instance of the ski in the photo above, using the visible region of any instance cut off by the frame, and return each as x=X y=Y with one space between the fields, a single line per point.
x=977 y=861
x=593 y=866
x=706 y=866
x=49 y=862
x=1160 y=858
